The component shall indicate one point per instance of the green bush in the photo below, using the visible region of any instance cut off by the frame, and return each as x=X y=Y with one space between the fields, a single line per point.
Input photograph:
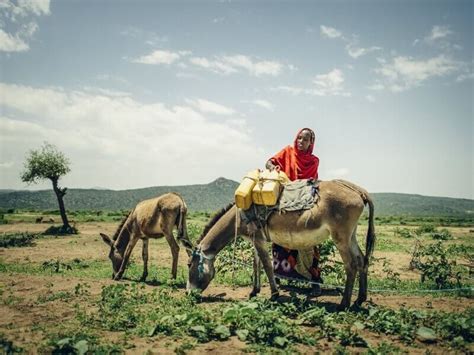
x=435 y=265
x=17 y=239
x=425 y=228
x=403 y=232
x=443 y=234
x=60 y=230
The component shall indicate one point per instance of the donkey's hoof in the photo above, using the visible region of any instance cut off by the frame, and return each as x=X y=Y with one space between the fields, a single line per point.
x=316 y=290
x=359 y=301
x=118 y=277
x=342 y=307
x=254 y=293
x=274 y=296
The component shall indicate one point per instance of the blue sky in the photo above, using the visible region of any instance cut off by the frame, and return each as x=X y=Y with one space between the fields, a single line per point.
x=146 y=93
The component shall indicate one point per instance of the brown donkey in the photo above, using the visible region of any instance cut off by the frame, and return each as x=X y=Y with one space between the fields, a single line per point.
x=336 y=214
x=153 y=218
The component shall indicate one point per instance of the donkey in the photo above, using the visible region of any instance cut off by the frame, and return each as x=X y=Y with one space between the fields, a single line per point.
x=336 y=214
x=153 y=218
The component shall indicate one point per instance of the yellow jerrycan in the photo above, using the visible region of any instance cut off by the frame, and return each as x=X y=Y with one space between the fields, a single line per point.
x=243 y=194
x=267 y=190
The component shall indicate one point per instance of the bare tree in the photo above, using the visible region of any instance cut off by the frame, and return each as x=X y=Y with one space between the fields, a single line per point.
x=49 y=163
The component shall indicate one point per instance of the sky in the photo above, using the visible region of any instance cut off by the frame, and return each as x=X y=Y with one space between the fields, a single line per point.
x=154 y=93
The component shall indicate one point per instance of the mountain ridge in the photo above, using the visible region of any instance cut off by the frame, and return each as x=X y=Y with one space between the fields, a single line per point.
x=217 y=194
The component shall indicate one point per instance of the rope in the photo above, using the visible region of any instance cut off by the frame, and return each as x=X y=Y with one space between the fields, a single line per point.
x=237 y=215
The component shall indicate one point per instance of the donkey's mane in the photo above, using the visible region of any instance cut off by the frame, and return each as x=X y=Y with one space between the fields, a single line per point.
x=120 y=226
x=213 y=221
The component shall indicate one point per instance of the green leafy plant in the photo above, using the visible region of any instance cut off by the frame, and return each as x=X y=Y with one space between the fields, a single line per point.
x=443 y=234
x=258 y=321
x=60 y=230
x=25 y=239
x=436 y=266
x=425 y=228
x=392 y=277
x=403 y=232
x=8 y=347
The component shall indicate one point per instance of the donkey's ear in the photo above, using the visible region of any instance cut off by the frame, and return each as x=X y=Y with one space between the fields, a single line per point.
x=106 y=239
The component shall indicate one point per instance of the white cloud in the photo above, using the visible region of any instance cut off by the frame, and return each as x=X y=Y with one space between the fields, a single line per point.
x=356 y=52
x=161 y=57
x=263 y=103
x=370 y=98
x=352 y=43
x=236 y=63
x=290 y=89
x=206 y=106
x=35 y=7
x=105 y=92
x=439 y=32
x=19 y=18
x=10 y=43
x=119 y=142
x=404 y=73
x=329 y=84
x=442 y=37
x=215 y=66
x=464 y=77
x=330 y=32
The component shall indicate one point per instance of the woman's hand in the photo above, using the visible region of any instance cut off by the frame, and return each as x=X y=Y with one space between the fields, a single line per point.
x=270 y=166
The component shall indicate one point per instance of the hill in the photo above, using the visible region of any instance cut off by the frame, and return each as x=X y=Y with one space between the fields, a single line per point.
x=217 y=194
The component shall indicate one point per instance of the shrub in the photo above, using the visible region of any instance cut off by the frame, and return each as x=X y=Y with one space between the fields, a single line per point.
x=443 y=234
x=435 y=266
x=403 y=232
x=17 y=239
x=60 y=230
x=425 y=228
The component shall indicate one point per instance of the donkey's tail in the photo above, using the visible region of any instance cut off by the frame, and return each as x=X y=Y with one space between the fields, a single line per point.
x=182 y=229
x=370 y=239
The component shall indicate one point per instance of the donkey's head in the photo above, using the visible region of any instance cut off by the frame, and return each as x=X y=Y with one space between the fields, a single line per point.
x=201 y=270
x=114 y=254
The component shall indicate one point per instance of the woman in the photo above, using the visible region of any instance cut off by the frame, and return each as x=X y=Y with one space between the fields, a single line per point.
x=298 y=162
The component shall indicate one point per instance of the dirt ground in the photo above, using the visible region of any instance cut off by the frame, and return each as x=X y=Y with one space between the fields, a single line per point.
x=25 y=321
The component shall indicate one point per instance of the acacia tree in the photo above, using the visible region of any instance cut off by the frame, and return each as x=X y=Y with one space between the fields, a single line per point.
x=49 y=163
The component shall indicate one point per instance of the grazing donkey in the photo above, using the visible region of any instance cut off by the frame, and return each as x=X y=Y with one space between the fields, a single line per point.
x=153 y=218
x=336 y=213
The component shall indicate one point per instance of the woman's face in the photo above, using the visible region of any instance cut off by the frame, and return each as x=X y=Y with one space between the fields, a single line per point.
x=303 y=141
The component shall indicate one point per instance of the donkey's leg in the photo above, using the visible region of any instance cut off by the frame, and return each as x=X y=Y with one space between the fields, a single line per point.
x=126 y=256
x=256 y=275
x=145 y=259
x=259 y=244
x=362 y=268
x=174 y=253
x=349 y=257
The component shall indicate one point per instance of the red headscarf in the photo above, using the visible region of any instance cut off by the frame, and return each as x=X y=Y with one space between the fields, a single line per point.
x=295 y=163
